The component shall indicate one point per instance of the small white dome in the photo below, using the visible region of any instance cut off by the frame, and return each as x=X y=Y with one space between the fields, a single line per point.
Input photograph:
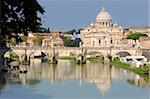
x=92 y=24
x=115 y=24
x=103 y=16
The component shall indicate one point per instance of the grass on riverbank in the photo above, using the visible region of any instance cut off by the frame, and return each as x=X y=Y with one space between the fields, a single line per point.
x=68 y=58
x=95 y=59
x=52 y=62
x=144 y=72
x=78 y=61
x=120 y=64
x=11 y=56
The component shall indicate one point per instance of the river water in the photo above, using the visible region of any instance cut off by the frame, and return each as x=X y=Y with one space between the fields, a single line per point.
x=66 y=80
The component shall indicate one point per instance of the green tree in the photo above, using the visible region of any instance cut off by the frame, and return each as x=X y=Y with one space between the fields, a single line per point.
x=2 y=42
x=13 y=41
x=24 y=38
x=19 y=16
x=136 y=36
x=38 y=40
x=72 y=43
x=71 y=31
x=43 y=30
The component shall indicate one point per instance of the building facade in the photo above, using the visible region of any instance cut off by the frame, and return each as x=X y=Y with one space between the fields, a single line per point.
x=103 y=32
x=145 y=42
x=54 y=39
x=144 y=30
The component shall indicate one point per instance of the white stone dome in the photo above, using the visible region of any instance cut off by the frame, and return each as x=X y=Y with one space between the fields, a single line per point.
x=92 y=24
x=104 y=16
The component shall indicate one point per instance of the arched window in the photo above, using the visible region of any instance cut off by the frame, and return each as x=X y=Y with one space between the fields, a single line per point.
x=111 y=41
x=99 y=41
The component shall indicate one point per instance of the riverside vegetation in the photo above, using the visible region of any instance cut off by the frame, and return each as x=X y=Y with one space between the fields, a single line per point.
x=143 y=72
x=78 y=61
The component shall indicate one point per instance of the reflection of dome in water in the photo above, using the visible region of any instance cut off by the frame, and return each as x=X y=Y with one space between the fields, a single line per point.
x=100 y=76
x=103 y=85
x=104 y=88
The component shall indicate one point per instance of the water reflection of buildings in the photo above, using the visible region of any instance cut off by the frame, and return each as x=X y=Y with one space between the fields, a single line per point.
x=98 y=74
x=92 y=73
x=2 y=82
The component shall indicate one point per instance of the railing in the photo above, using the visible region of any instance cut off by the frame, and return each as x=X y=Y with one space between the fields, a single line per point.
x=145 y=49
x=75 y=48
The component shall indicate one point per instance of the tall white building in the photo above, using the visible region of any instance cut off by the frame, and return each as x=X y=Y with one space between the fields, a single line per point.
x=103 y=32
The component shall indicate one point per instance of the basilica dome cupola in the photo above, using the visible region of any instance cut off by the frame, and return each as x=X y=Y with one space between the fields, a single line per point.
x=104 y=18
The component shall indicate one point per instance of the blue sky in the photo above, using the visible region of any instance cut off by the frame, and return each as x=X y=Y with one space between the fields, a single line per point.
x=65 y=15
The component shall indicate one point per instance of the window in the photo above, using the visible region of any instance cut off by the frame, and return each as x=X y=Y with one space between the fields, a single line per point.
x=99 y=41
x=93 y=43
x=111 y=41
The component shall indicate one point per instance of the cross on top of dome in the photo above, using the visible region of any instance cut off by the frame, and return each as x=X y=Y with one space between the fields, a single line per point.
x=103 y=9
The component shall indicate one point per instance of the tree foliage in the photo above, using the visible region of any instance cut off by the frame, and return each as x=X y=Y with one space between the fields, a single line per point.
x=2 y=42
x=23 y=38
x=71 y=31
x=19 y=16
x=38 y=40
x=43 y=30
x=72 y=43
x=136 y=36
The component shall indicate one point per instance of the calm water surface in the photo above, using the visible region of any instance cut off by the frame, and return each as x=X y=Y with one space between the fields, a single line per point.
x=70 y=81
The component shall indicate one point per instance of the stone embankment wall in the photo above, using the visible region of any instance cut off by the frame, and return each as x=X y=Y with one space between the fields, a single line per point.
x=146 y=53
